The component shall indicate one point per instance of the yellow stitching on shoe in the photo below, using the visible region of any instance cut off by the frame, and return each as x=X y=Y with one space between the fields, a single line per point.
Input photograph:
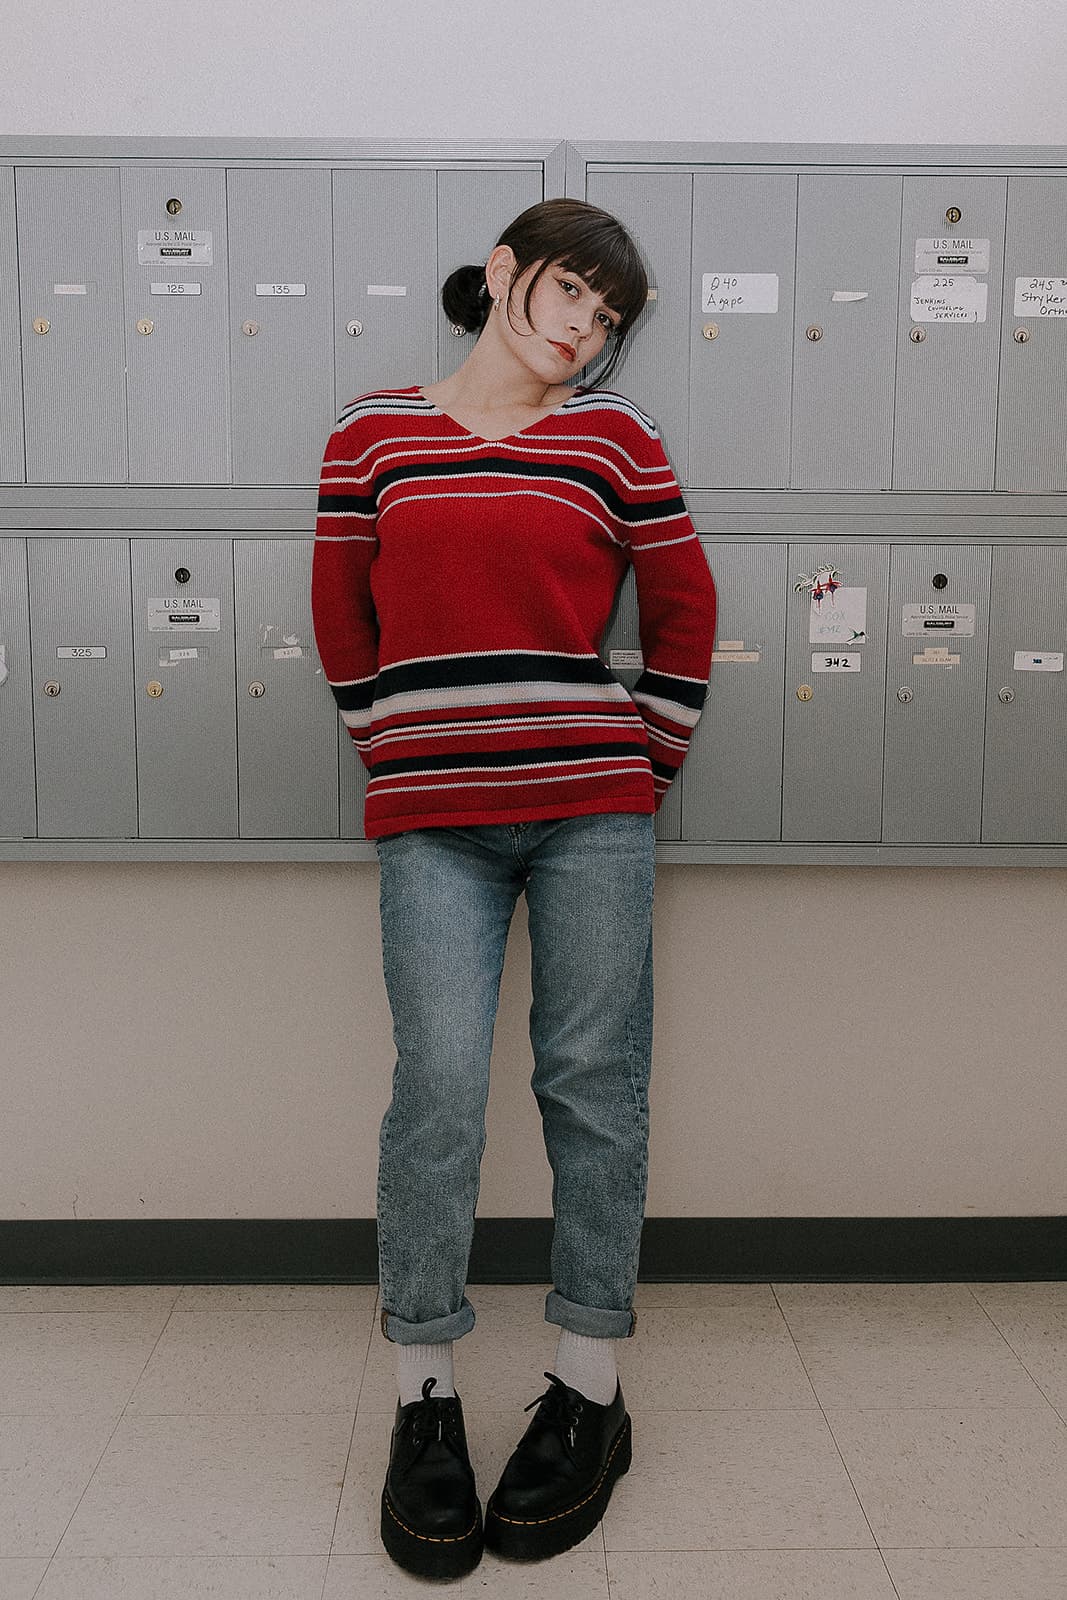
x=431 y=1538
x=534 y=1522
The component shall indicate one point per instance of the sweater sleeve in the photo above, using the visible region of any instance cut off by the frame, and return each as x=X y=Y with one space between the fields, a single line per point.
x=676 y=606
x=342 y=609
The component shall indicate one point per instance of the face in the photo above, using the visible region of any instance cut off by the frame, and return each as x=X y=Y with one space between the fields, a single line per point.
x=568 y=323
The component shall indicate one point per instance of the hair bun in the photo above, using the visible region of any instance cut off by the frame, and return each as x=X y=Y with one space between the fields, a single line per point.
x=466 y=299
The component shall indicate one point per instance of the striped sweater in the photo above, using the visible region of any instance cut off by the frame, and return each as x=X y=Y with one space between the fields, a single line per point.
x=460 y=591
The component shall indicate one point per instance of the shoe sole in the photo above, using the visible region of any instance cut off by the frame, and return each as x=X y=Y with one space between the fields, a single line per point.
x=426 y=1555
x=533 y=1539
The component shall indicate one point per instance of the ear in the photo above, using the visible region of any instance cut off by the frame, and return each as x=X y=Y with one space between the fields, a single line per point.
x=499 y=270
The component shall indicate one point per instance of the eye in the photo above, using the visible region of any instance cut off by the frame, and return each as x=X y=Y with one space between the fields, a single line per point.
x=603 y=317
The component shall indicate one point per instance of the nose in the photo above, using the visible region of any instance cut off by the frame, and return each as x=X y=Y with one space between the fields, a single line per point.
x=583 y=322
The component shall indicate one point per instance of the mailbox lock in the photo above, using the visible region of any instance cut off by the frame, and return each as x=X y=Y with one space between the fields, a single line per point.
x=1021 y=336
x=52 y=688
x=710 y=330
x=181 y=575
x=256 y=690
x=805 y=692
x=1006 y=696
x=455 y=328
x=917 y=335
x=814 y=334
x=355 y=329
x=953 y=214
x=41 y=324
x=145 y=325
x=154 y=689
x=940 y=581
x=174 y=206
x=251 y=328
x=904 y=695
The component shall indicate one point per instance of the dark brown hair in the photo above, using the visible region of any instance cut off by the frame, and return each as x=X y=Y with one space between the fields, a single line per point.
x=575 y=235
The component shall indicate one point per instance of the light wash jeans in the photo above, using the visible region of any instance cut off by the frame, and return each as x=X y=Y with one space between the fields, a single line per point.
x=447 y=898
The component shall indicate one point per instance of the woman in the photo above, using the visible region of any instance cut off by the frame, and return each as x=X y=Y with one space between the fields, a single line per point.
x=471 y=538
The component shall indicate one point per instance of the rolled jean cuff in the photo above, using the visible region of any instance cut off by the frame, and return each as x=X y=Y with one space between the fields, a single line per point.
x=439 y=1330
x=589 y=1321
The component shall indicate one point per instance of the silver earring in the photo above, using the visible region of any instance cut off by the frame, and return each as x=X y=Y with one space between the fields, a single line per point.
x=496 y=303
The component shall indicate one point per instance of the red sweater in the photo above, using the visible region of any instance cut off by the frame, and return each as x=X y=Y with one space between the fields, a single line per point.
x=460 y=591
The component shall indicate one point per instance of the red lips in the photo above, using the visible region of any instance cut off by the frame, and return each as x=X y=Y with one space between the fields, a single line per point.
x=564 y=349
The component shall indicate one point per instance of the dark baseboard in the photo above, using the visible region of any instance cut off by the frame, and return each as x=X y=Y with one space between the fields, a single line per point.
x=516 y=1250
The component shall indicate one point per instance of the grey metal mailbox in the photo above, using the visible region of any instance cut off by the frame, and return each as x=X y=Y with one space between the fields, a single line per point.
x=79 y=593
x=732 y=775
x=18 y=809
x=948 y=332
x=281 y=323
x=844 y=338
x=1031 y=436
x=473 y=208
x=657 y=209
x=1025 y=790
x=176 y=323
x=184 y=688
x=835 y=693
x=286 y=712
x=12 y=448
x=741 y=329
x=938 y=632
x=385 y=281
x=70 y=281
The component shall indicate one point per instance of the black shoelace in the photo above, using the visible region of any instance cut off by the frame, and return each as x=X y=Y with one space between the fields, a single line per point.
x=434 y=1420
x=562 y=1408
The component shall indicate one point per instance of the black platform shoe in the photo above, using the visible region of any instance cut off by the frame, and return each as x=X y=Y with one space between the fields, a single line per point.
x=431 y=1519
x=557 y=1484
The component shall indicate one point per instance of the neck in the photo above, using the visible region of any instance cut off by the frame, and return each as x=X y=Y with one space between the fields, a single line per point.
x=491 y=379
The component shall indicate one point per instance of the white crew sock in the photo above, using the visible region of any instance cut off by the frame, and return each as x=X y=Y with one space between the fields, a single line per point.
x=417 y=1362
x=587 y=1365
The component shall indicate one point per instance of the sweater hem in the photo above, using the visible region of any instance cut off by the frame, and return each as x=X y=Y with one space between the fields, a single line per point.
x=382 y=827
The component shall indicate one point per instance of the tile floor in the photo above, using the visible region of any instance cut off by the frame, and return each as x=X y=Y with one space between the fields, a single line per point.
x=791 y=1442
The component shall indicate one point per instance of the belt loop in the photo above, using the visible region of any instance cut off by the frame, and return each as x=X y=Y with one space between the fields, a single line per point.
x=384 y=1329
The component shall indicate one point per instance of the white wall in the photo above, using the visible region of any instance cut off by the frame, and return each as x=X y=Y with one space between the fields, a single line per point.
x=215 y=1040
x=905 y=71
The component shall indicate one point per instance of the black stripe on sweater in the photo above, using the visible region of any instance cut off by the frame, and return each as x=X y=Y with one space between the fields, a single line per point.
x=363 y=504
x=680 y=690
x=457 y=672
x=494 y=466
x=535 y=755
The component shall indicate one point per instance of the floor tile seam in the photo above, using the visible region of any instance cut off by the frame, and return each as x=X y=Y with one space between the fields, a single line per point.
x=745 y=1549
x=964 y=1549
x=351 y=1439
x=110 y=1439
x=610 y=1552
x=759 y=1549
x=322 y=1554
x=1019 y=1358
x=187 y=1415
x=890 y=1549
x=1032 y=1407
x=1035 y=1407
x=88 y=1311
x=222 y=1556
x=748 y=1549
x=833 y=1436
x=358 y=1413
